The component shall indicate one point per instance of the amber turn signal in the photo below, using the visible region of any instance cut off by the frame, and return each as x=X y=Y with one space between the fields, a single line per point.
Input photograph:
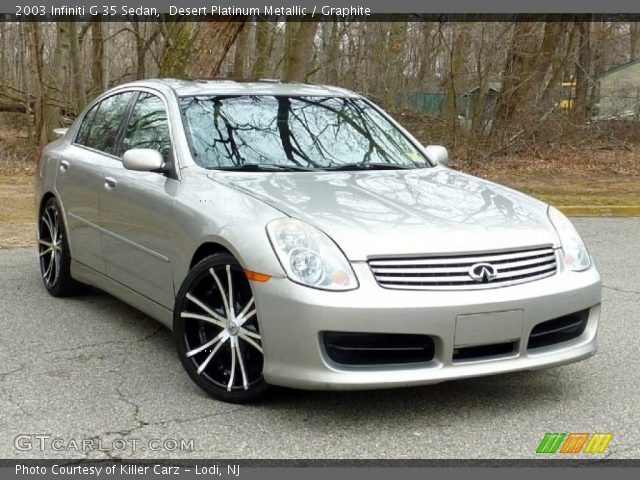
x=257 y=277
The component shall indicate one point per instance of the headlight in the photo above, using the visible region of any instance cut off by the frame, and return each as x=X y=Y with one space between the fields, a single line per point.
x=309 y=256
x=576 y=256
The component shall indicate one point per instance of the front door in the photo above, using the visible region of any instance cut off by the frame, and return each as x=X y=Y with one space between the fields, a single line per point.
x=136 y=209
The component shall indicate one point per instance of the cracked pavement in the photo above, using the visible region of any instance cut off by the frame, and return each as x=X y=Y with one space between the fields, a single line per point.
x=91 y=367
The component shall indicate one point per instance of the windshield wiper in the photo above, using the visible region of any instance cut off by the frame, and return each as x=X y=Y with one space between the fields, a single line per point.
x=370 y=166
x=262 y=167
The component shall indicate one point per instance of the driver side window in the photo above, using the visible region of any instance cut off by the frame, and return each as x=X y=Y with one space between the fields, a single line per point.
x=148 y=126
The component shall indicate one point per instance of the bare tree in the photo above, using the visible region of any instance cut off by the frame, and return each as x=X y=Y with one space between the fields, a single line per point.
x=262 y=48
x=240 y=55
x=36 y=47
x=197 y=50
x=211 y=42
x=77 y=77
x=580 y=108
x=634 y=40
x=518 y=92
x=97 y=58
x=298 y=53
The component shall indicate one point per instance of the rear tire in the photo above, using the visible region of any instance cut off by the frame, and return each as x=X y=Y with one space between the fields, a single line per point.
x=53 y=251
x=217 y=332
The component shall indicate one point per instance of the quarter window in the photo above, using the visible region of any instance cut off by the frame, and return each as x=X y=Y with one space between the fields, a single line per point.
x=99 y=130
x=83 y=132
x=148 y=126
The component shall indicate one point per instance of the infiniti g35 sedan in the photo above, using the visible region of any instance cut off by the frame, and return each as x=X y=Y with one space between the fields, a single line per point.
x=296 y=235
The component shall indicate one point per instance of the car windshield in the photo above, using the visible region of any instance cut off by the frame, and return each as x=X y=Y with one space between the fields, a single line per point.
x=275 y=133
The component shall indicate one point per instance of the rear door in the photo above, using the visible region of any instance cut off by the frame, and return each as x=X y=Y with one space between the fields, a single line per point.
x=136 y=208
x=79 y=177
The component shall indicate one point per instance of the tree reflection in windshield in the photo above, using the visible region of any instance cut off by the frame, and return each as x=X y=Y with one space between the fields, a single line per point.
x=314 y=132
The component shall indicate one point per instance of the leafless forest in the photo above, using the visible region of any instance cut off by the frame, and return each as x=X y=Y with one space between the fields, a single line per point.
x=484 y=89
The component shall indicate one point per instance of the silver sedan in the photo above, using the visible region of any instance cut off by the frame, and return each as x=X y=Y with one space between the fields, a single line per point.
x=296 y=235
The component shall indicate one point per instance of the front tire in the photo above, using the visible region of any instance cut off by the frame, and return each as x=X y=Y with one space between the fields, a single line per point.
x=217 y=332
x=53 y=251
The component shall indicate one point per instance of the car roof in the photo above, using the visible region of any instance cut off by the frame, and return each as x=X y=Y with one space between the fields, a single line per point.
x=197 y=87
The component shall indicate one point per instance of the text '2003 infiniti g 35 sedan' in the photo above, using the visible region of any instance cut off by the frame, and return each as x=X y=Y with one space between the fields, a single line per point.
x=296 y=235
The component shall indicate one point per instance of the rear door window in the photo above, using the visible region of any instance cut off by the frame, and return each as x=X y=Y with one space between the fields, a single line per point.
x=101 y=126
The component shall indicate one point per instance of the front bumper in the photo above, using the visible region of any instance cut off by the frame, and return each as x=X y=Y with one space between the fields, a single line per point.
x=293 y=317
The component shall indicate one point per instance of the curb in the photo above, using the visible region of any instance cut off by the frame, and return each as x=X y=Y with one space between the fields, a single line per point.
x=600 y=210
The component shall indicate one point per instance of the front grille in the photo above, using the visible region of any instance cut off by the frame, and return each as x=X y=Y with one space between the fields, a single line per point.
x=453 y=272
x=559 y=329
x=360 y=349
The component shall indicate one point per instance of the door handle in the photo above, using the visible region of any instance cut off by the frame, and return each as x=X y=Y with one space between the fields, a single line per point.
x=110 y=183
x=64 y=166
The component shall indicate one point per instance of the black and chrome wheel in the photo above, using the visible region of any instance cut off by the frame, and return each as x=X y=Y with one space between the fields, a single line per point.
x=217 y=332
x=53 y=251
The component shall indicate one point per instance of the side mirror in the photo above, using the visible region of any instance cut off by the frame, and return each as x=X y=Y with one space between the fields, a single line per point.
x=142 y=160
x=438 y=154
x=60 y=132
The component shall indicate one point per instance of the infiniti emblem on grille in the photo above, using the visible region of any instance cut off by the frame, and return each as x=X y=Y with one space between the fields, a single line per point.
x=483 y=272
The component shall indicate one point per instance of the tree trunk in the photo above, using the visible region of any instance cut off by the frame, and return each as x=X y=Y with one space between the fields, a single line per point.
x=634 y=40
x=263 y=49
x=518 y=92
x=333 y=54
x=24 y=72
x=240 y=55
x=176 y=54
x=197 y=52
x=560 y=61
x=56 y=78
x=300 y=52
x=36 y=47
x=451 y=84
x=140 y=50
x=212 y=42
x=551 y=41
x=580 y=108
x=598 y=36
x=77 y=77
x=393 y=63
x=97 y=58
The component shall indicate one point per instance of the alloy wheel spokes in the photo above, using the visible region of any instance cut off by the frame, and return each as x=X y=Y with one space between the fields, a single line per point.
x=249 y=340
x=240 y=367
x=251 y=334
x=230 y=286
x=222 y=320
x=232 y=375
x=245 y=382
x=56 y=256
x=242 y=320
x=246 y=308
x=225 y=302
x=50 y=245
x=222 y=337
x=211 y=355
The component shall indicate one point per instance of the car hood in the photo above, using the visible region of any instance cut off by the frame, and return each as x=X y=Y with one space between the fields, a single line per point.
x=400 y=212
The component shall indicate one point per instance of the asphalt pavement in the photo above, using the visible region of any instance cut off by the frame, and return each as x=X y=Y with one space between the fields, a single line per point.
x=93 y=369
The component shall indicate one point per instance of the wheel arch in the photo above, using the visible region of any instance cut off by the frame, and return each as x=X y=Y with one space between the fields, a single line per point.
x=44 y=199
x=207 y=249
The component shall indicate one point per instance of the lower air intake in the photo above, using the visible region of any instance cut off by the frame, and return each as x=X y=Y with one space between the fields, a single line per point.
x=362 y=349
x=559 y=329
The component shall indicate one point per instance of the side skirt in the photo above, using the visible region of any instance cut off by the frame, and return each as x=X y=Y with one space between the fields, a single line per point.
x=96 y=279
